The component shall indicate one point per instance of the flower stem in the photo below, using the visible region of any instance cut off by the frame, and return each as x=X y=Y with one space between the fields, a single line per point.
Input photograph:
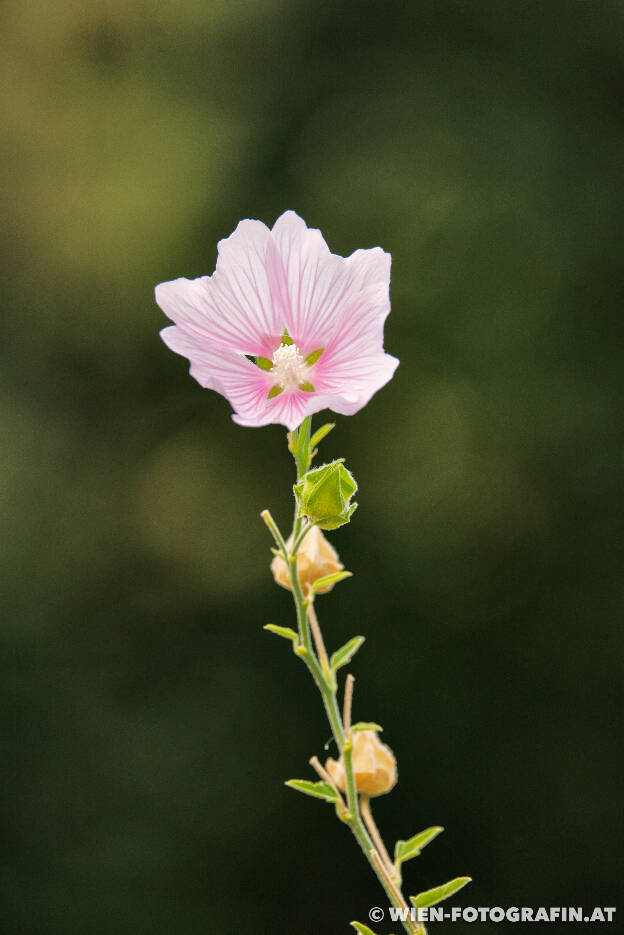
x=299 y=443
x=373 y=830
x=318 y=640
x=314 y=655
x=346 y=705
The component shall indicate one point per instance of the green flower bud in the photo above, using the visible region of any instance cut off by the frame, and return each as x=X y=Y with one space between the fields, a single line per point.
x=323 y=495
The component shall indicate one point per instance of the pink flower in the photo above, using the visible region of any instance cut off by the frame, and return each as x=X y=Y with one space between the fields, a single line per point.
x=284 y=328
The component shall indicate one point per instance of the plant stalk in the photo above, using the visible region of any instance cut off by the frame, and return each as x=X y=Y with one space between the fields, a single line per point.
x=325 y=680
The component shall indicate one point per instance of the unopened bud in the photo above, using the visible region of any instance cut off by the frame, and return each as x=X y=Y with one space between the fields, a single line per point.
x=324 y=495
x=374 y=765
x=316 y=558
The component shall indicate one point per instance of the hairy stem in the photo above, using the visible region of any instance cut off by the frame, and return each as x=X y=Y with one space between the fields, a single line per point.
x=373 y=830
x=326 y=682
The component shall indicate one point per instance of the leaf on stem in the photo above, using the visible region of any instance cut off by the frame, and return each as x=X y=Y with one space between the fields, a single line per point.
x=320 y=434
x=366 y=725
x=334 y=578
x=438 y=893
x=346 y=653
x=362 y=929
x=320 y=790
x=286 y=632
x=405 y=850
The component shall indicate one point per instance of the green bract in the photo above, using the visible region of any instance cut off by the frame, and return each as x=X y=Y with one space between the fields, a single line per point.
x=324 y=495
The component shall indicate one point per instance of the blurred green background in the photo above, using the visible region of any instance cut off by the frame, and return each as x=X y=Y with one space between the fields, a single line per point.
x=149 y=721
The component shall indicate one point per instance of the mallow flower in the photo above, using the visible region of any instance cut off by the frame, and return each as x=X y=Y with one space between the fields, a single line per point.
x=284 y=328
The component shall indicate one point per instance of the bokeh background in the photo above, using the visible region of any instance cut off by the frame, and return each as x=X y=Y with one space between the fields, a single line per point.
x=148 y=720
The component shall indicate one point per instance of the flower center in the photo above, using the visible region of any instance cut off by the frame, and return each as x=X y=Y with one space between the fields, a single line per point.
x=289 y=367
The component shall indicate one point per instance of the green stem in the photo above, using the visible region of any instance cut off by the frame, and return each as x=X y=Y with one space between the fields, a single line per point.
x=303 y=531
x=345 y=746
x=326 y=683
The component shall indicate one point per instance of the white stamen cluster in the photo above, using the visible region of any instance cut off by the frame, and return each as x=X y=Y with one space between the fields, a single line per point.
x=289 y=367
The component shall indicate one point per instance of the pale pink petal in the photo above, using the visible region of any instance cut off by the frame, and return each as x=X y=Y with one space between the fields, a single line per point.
x=357 y=380
x=232 y=375
x=312 y=281
x=266 y=281
x=289 y=409
x=319 y=289
x=370 y=266
x=244 y=290
x=360 y=329
x=235 y=308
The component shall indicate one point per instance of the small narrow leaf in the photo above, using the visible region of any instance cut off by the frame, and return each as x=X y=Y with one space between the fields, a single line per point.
x=286 y=632
x=320 y=434
x=275 y=391
x=337 y=576
x=320 y=790
x=306 y=386
x=362 y=929
x=264 y=363
x=314 y=356
x=405 y=850
x=344 y=655
x=438 y=893
x=366 y=725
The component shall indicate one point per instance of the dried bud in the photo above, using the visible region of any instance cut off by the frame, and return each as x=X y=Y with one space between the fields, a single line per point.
x=374 y=765
x=316 y=559
x=324 y=495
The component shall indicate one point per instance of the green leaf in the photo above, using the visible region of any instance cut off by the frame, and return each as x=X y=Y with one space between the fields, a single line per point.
x=286 y=338
x=405 y=850
x=320 y=434
x=438 y=893
x=286 y=632
x=366 y=725
x=320 y=790
x=306 y=386
x=314 y=356
x=346 y=653
x=337 y=576
x=362 y=929
x=275 y=391
x=264 y=363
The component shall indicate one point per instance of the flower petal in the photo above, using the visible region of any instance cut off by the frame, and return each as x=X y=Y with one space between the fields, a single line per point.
x=243 y=384
x=370 y=266
x=235 y=308
x=311 y=280
x=317 y=288
x=266 y=281
x=244 y=290
x=360 y=328
x=357 y=381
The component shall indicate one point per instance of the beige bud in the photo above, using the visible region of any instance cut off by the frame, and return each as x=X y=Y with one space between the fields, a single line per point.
x=374 y=765
x=316 y=558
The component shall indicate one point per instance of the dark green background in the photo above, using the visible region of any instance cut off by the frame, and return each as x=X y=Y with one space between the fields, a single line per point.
x=149 y=722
